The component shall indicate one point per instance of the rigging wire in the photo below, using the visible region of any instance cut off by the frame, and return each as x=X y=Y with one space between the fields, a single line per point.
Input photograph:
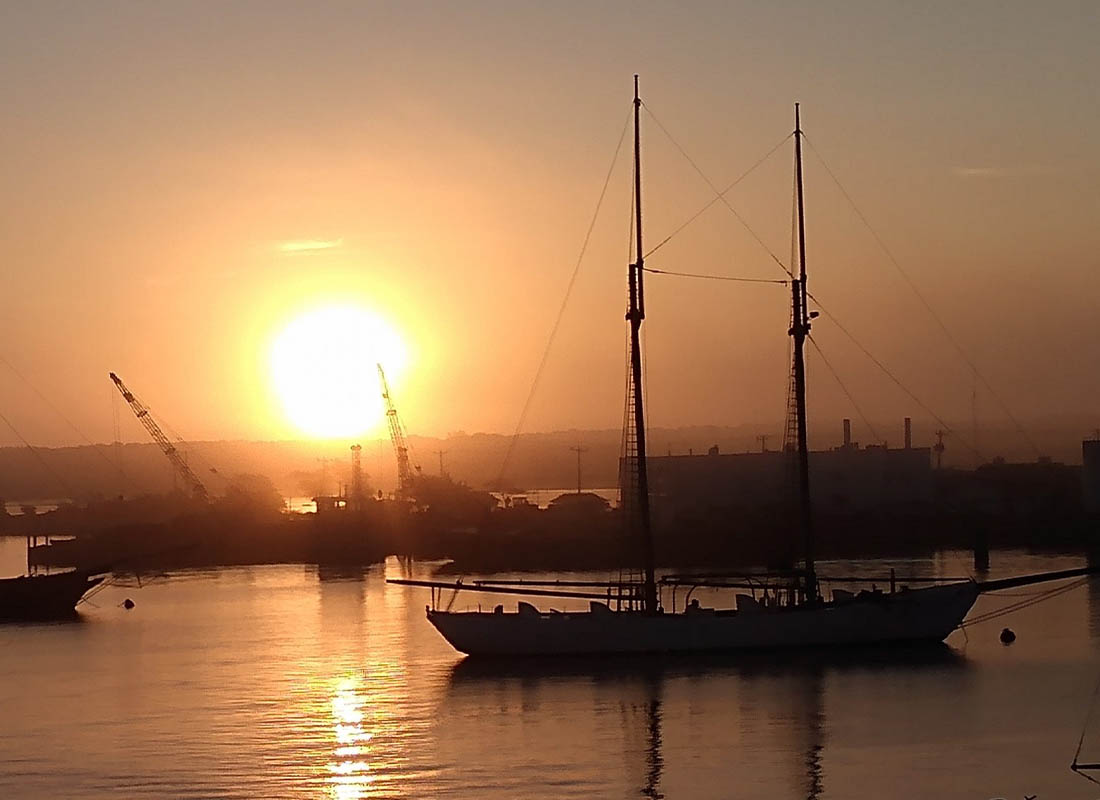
x=1009 y=593
x=1080 y=770
x=1081 y=741
x=561 y=310
x=720 y=194
x=97 y=448
x=1026 y=603
x=834 y=373
x=716 y=277
x=41 y=459
x=188 y=447
x=843 y=388
x=927 y=306
x=947 y=428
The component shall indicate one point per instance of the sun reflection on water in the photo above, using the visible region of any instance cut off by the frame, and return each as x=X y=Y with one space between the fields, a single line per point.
x=349 y=772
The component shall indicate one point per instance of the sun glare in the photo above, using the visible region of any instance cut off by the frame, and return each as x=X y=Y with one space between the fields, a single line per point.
x=323 y=369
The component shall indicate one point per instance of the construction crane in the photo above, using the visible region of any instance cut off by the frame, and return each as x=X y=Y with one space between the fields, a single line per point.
x=190 y=479
x=397 y=436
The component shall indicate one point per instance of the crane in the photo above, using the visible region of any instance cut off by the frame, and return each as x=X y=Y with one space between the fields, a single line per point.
x=397 y=436
x=198 y=490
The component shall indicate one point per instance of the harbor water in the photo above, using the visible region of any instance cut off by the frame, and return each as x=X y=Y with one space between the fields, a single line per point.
x=298 y=682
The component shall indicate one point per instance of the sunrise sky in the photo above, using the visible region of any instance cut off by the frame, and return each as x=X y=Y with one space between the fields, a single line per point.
x=183 y=180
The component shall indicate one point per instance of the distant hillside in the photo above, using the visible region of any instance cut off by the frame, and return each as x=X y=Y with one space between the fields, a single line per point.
x=539 y=460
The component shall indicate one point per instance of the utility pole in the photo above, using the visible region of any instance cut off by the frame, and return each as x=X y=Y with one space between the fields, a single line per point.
x=939 y=447
x=441 y=453
x=324 y=476
x=357 y=477
x=578 y=450
x=974 y=421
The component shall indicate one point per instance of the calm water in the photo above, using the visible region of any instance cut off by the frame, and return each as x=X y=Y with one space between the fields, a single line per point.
x=276 y=682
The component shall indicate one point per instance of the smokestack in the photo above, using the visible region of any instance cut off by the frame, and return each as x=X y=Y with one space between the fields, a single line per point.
x=908 y=433
x=847 y=433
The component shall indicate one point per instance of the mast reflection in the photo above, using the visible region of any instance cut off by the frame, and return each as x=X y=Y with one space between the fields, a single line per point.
x=813 y=706
x=654 y=762
x=763 y=695
x=638 y=685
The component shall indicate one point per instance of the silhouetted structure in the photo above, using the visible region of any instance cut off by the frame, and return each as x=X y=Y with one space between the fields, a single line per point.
x=789 y=612
x=194 y=485
x=405 y=468
x=846 y=478
x=45 y=596
x=579 y=504
x=579 y=451
x=1090 y=474
x=358 y=494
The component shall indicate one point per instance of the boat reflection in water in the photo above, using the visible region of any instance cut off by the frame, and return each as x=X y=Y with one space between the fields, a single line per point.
x=673 y=710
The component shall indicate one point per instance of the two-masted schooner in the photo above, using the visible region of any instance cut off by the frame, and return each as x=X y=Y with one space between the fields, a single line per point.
x=628 y=617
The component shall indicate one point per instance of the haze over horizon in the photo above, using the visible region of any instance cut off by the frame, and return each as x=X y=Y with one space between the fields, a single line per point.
x=182 y=182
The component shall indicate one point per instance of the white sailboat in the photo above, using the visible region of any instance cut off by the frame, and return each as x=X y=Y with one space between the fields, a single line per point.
x=629 y=617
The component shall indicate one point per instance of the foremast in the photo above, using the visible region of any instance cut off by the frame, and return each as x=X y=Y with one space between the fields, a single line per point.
x=638 y=508
x=800 y=330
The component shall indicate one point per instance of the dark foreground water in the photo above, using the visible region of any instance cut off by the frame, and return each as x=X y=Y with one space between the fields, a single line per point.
x=276 y=682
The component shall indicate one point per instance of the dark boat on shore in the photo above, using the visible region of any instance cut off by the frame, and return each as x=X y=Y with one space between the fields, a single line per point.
x=45 y=597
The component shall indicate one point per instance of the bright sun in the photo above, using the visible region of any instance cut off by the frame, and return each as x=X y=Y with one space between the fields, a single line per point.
x=323 y=369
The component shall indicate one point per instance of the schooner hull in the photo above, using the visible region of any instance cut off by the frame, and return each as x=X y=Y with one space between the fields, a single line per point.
x=920 y=615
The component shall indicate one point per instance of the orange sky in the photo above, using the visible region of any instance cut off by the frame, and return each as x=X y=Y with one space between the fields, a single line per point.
x=439 y=163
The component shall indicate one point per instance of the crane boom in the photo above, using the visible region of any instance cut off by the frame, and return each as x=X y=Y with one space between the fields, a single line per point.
x=397 y=436
x=198 y=490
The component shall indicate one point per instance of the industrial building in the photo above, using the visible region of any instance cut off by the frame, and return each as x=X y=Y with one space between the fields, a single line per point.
x=845 y=478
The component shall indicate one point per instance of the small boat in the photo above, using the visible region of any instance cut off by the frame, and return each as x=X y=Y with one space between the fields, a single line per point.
x=45 y=597
x=780 y=610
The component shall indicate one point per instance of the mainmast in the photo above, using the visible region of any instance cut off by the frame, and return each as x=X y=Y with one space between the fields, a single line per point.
x=635 y=315
x=800 y=329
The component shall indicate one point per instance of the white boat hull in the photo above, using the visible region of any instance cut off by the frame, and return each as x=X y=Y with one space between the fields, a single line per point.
x=918 y=615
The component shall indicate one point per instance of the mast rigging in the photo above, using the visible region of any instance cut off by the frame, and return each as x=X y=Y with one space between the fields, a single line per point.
x=640 y=518
x=800 y=329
